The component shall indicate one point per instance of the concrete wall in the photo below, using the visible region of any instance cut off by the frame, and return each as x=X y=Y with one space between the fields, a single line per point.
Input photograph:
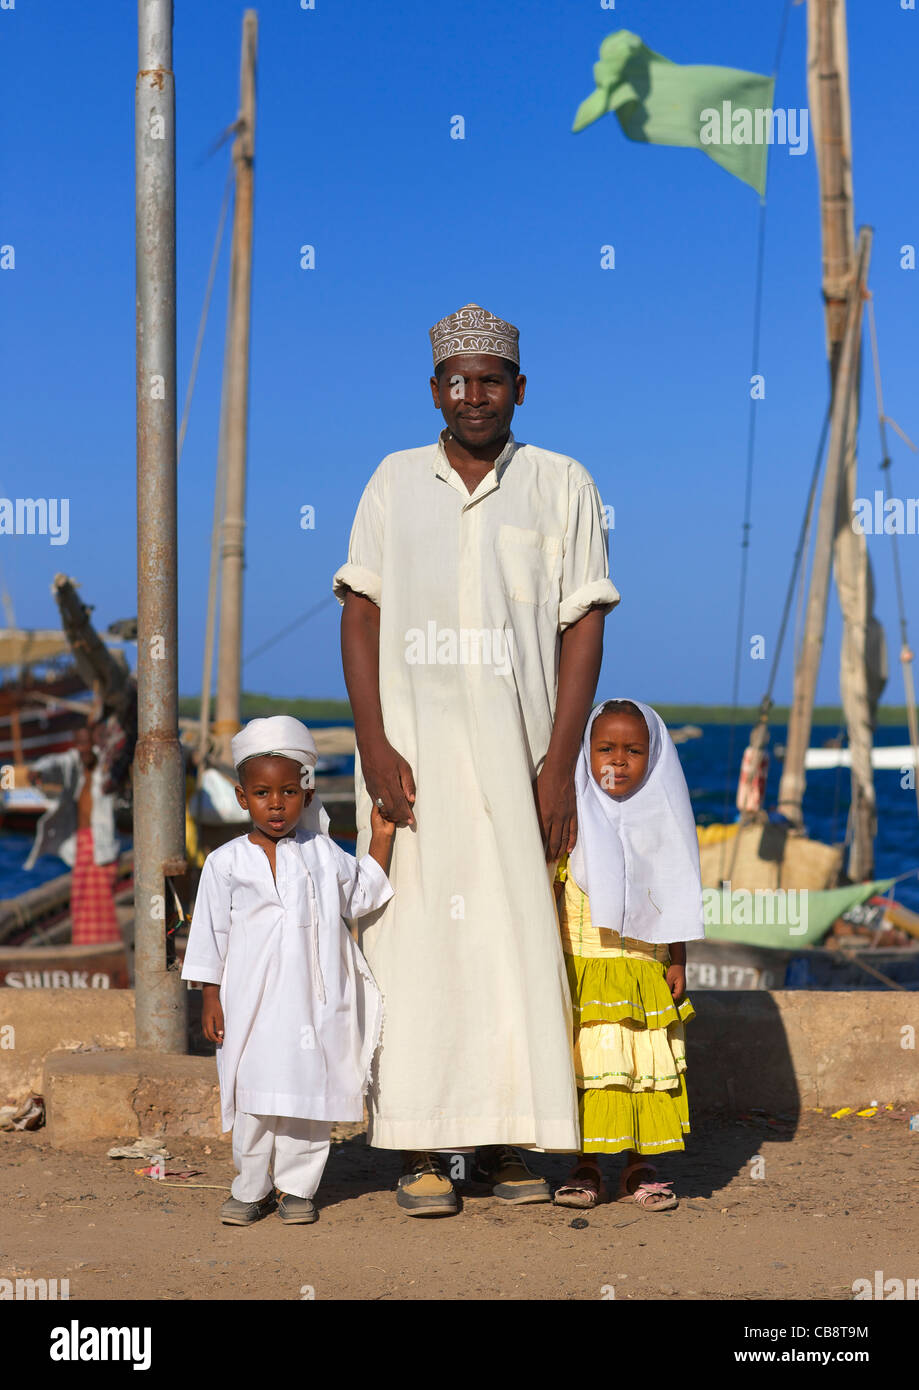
x=780 y=1051
x=784 y=1050
x=123 y=1094
x=46 y=1020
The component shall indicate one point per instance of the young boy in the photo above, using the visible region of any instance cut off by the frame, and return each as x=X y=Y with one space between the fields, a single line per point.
x=288 y=998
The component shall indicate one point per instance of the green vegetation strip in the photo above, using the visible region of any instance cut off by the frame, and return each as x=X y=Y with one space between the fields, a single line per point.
x=254 y=705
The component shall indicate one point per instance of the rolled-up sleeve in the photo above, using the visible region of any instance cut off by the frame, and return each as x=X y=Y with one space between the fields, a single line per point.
x=362 y=573
x=585 y=573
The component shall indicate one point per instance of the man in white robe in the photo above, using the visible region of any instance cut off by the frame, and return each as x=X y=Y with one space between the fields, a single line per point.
x=474 y=598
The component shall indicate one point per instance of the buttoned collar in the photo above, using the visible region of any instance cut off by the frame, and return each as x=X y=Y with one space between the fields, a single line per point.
x=444 y=469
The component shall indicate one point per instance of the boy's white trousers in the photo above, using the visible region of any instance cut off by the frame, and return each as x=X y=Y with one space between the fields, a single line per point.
x=299 y=1149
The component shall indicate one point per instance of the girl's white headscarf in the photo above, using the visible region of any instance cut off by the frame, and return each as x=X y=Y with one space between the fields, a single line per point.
x=284 y=737
x=637 y=858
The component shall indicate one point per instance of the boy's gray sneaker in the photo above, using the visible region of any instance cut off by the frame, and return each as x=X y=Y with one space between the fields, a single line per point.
x=237 y=1213
x=297 y=1211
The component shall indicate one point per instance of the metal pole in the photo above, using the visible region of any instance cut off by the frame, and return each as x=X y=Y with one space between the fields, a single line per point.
x=791 y=787
x=229 y=653
x=159 y=790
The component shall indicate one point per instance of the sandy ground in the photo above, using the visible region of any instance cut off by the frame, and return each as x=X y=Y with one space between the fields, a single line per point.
x=835 y=1203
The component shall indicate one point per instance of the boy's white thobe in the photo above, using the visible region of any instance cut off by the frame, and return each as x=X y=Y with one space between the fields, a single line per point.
x=302 y=1013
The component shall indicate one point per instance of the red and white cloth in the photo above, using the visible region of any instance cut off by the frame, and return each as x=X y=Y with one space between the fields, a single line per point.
x=92 y=896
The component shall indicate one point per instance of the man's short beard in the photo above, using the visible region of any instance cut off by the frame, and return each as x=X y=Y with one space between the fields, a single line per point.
x=472 y=444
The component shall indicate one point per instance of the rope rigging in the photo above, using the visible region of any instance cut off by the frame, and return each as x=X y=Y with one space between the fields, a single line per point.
x=751 y=441
x=906 y=655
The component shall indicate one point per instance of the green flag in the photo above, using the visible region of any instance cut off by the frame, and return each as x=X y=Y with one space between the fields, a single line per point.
x=724 y=112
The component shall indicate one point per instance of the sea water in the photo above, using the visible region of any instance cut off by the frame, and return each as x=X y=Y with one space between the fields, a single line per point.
x=711 y=767
x=711 y=770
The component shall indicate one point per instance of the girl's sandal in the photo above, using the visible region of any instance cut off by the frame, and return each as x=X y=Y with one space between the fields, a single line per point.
x=650 y=1196
x=585 y=1188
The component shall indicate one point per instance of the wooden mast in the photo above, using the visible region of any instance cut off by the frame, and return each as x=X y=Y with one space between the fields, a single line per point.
x=862 y=647
x=862 y=674
x=791 y=787
x=229 y=651
x=830 y=121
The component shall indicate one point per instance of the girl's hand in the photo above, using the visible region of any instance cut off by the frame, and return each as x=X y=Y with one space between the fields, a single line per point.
x=212 y=1015
x=676 y=980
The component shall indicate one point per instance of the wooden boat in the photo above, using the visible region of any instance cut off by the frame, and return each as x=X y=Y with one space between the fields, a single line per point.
x=896 y=758
x=37 y=717
x=21 y=807
x=39 y=711
x=45 y=698
x=872 y=944
x=731 y=965
x=35 y=947
x=759 y=853
x=40 y=916
x=64 y=967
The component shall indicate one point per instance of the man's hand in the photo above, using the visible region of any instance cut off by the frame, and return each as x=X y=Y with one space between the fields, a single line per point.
x=212 y=1015
x=578 y=669
x=386 y=773
x=388 y=776
x=556 y=807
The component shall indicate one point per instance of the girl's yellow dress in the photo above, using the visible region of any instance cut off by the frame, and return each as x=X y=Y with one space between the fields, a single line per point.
x=629 y=1053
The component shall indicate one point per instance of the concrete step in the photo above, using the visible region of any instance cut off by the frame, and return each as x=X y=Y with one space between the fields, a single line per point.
x=124 y=1093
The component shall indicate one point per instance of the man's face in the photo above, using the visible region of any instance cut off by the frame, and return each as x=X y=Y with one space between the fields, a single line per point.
x=476 y=396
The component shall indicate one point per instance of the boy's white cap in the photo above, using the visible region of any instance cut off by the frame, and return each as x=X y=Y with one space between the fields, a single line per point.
x=282 y=736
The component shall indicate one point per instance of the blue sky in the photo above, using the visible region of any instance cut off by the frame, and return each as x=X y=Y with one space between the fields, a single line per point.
x=642 y=373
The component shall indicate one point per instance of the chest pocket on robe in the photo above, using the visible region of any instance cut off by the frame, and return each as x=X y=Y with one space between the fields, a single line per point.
x=530 y=564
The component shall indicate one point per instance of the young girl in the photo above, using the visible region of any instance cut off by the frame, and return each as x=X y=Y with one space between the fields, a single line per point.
x=288 y=997
x=629 y=898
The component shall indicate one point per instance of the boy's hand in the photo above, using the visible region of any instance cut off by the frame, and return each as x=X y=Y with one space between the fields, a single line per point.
x=676 y=979
x=380 y=827
x=382 y=832
x=212 y=1015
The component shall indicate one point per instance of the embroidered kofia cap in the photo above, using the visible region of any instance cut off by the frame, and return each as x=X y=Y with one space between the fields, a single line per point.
x=474 y=329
